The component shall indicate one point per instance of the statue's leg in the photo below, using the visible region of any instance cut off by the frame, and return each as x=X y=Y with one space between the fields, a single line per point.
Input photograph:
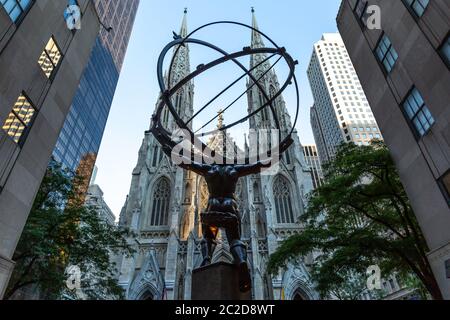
x=239 y=251
x=208 y=244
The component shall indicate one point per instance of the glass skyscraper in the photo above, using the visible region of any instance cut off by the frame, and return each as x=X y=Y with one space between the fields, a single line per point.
x=80 y=138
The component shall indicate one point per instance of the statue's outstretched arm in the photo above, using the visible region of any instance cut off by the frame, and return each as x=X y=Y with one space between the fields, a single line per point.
x=187 y=163
x=245 y=170
x=196 y=167
x=167 y=145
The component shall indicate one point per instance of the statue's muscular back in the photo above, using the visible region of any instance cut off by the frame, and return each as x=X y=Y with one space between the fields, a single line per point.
x=221 y=181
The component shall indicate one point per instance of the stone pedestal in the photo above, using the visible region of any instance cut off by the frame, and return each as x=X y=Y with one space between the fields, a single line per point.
x=219 y=281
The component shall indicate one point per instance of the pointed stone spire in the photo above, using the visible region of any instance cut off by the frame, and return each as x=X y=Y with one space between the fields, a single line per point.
x=179 y=69
x=257 y=41
x=181 y=63
x=270 y=78
x=184 y=28
x=220 y=122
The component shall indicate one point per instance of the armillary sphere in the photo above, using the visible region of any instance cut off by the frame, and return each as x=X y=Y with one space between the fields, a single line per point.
x=165 y=137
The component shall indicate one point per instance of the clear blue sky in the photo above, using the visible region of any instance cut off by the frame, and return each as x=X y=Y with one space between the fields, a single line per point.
x=295 y=24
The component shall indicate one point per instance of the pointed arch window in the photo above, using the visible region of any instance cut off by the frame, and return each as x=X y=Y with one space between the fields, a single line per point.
x=155 y=156
x=161 y=203
x=161 y=155
x=283 y=200
x=256 y=194
x=277 y=105
x=204 y=195
x=184 y=226
x=147 y=296
x=165 y=120
x=264 y=111
x=178 y=100
x=288 y=157
x=187 y=193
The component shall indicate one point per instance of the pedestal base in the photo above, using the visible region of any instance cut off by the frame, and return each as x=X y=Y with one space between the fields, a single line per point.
x=219 y=281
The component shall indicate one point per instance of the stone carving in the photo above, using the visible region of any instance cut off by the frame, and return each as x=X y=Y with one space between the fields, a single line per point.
x=149 y=276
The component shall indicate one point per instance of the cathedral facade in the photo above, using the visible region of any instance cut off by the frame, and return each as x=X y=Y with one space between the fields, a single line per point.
x=164 y=205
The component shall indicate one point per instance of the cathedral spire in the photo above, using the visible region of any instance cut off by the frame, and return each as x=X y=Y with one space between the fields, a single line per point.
x=181 y=64
x=184 y=28
x=220 y=122
x=257 y=41
x=269 y=81
x=178 y=70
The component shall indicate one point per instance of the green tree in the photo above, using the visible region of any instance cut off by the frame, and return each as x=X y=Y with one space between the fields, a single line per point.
x=360 y=217
x=61 y=231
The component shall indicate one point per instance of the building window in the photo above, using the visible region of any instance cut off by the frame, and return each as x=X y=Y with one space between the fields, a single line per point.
x=361 y=11
x=288 y=157
x=283 y=203
x=445 y=50
x=418 y=6
x=20 y=119
x=15 y=8
x=50 y=58
x=386 y=53
x=256 y=195
x=264 y=112
x=187 y=194
x=161 y=202
x=418 y=113
x=165 y=120
x=445 y=184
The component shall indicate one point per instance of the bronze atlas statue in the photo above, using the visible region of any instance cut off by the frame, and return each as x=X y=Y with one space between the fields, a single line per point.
x=221 y=176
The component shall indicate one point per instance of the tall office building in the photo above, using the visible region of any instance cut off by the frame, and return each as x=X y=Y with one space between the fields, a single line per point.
x=165 y=201
x=95 y=200
x=404 y=70
x=341 y=112
x=80 y=139
x=313 y=161
x=41 y=63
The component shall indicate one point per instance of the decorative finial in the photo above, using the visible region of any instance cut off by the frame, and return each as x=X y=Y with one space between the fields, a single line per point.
x=253 y=9
x=185 y=10
x=220 y=124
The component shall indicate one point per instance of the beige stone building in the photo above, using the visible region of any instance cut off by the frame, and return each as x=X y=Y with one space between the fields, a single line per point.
x=404 y=70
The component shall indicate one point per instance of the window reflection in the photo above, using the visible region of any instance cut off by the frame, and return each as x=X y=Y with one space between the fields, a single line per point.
x=50 y=58
x=15 y=8
x=19 y=119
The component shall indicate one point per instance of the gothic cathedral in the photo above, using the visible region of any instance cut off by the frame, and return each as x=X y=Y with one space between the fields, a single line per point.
x=165 y=202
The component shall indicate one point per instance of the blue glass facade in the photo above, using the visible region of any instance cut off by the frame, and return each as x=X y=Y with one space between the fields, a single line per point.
x=81 y=135
x=83 y=129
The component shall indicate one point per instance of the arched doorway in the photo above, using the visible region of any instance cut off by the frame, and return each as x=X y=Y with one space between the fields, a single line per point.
x=300 y=295
x=147 y=296
x=297 y=296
